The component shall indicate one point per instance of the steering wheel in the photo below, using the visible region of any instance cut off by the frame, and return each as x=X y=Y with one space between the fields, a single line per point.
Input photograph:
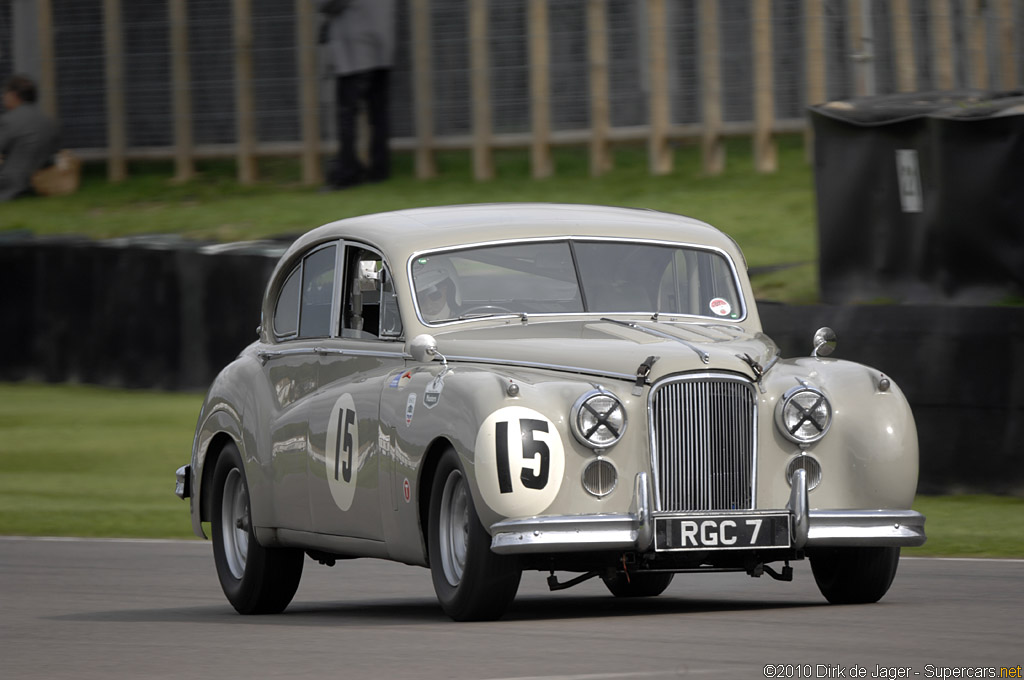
x=487 y=309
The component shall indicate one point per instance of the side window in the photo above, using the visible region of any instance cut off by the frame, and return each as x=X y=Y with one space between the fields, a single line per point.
x=317 y=293
x=286 y=312
x=369 y=307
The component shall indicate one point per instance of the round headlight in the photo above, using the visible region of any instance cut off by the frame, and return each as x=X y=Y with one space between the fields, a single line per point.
x=803 y=415
x=598 y=419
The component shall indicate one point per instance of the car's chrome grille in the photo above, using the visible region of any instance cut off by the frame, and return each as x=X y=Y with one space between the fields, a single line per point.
x=703 y=433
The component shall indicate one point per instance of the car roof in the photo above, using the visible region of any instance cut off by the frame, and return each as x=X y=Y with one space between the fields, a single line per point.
x=403 y=232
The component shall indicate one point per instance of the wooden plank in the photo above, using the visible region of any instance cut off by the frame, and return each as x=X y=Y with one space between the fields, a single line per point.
x=181 y=92
x=245 y=115
x=306 y=44
x=47 y=85
x=942 y=44
x=541 y=162
x=597 y=57
x=976 y=17
x=659 y=153
x=712 y=147
x=765 y=152
x=1007 y=49
x=423 y=90
x=479 y=59
x=855 y=30
x=113 y=53
x=814 y=58
x=903 y=46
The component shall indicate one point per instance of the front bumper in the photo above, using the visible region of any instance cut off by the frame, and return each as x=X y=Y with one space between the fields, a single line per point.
x=634 y=531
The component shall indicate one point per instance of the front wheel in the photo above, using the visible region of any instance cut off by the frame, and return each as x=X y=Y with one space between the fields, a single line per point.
x=256 y=580
x=640 y=584
x=854 y=575
x=472 y=583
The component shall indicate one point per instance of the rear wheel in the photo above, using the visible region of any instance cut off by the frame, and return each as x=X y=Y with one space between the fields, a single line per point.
x=256 y=580
x=472 y=583
x=637 y=585
x=854 y=575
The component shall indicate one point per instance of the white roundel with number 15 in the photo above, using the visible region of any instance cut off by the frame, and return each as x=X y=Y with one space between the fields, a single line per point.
x=520 y=461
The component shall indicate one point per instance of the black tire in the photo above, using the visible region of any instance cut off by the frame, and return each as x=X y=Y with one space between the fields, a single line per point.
x=854 y=575
x=637 y=584
x=256 y=580
x=472 y=583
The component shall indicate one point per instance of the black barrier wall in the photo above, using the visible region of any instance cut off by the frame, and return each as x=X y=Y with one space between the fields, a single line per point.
x=919 y=197
x=167 y=313
x=159 y=312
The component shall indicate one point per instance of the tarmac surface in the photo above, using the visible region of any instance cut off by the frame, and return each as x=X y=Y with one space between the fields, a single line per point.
x=113 y=609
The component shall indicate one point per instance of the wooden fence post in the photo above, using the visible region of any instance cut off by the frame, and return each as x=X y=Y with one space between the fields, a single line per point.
x=423 y=90
x=480 y=78
x=47 y=60
x=765 y=153
x=814 y=58
x=306 y=44
x=659 y=153
x=1007 y=63
x=976 y=16
x=712 y=148
x=600 y=120
x=113 y=40
x=903 y=45
x=181 y=92
x=541 y=162
x=245 y=115
x=942 y=44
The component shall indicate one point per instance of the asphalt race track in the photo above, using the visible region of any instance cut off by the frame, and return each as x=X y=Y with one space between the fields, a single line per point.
x=153 y=609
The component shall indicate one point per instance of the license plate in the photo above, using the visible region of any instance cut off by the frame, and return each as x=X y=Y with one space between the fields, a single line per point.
x=722 y=532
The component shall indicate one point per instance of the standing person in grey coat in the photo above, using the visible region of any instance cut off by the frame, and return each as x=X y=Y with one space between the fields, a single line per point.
x=360 y=36
x=28 y=139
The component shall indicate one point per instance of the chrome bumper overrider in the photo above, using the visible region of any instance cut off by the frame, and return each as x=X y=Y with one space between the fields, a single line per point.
x=634 y=531
x=182 y=482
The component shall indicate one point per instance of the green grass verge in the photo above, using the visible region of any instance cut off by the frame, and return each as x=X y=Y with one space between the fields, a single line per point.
x=90 y=461
x=771 y=216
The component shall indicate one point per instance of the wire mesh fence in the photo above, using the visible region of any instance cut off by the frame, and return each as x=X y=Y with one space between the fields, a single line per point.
x=167 y=78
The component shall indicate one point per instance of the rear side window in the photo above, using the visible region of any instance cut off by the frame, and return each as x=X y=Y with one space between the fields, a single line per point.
x=305 y=302
x=317 y=293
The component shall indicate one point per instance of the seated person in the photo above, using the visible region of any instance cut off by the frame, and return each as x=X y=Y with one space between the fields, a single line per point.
x=437 y=290
x=28 y=138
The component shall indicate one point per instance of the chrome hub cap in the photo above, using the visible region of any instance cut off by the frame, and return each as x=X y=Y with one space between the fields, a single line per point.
x=234 y=517
x=453 y=527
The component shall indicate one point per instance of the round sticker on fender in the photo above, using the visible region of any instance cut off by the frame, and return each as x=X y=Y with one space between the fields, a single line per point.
x=520 y=461
x=342 y=451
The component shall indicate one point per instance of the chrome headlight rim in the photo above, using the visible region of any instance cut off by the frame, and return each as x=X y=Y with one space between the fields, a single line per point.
x=601 y=415
x=788 y=400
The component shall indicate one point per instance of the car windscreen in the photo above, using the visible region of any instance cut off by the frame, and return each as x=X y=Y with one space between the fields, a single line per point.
x=579 y=276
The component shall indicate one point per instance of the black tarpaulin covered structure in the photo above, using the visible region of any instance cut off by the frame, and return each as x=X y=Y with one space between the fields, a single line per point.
x=921 y=197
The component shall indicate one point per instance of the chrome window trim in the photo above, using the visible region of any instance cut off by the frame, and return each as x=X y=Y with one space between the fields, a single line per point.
x=544 y=239
x=652 y=440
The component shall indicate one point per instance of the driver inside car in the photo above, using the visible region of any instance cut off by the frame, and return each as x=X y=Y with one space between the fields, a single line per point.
x=437 y=290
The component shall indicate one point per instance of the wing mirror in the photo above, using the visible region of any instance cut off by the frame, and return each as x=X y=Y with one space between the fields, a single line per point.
x=824 y=342
x=423 y=348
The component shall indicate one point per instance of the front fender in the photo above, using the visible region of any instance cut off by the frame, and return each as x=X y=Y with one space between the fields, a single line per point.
x=868 y=458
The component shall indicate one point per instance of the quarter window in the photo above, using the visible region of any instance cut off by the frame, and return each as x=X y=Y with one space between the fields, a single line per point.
x=286 y=313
